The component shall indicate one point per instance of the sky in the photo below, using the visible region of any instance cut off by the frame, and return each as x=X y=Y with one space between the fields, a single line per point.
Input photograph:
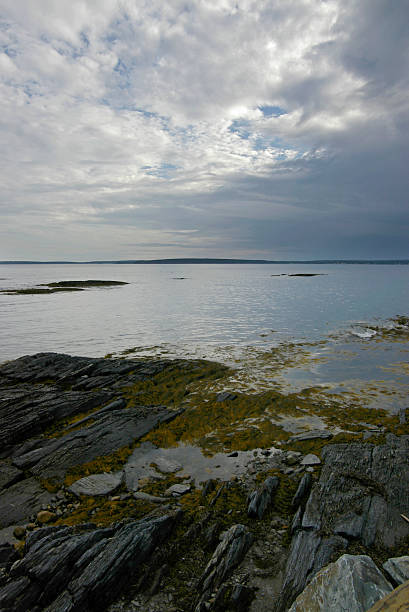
x=211 y=128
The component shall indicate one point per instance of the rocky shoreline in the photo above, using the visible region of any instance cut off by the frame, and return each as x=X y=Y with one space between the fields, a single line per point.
x=96 y=513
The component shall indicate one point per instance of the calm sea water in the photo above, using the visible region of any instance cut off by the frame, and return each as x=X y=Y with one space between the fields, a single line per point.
x=227 y=312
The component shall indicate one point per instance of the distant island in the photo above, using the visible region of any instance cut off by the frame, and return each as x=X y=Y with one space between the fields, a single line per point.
x=205 y=260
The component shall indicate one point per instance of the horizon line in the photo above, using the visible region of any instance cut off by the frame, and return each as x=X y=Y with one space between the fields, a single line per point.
x=212 y=260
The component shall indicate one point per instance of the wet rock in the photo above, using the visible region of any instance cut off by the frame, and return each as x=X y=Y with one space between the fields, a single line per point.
x=394 y=602
x=225 y=396
x=261 y=499
x=111 y=431
x=241 y=597
x=154 y=499
x=310 y=459
x=115 y=405
x=352 y=583
x=68 y=570
x=9 y=475
x=361 y=493
x=166 y=465
x=313 y=434
x=45 y=516
x=8 y=554
x=18 y=502
x=397 y=569
x=233 y=546
x=97 y=484
x=28 y=410
x=302 y=490
x=177 y=490
x=37 y=390
x=19 y=532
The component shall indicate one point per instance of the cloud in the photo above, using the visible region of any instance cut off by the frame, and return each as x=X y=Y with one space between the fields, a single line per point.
x=267 y=127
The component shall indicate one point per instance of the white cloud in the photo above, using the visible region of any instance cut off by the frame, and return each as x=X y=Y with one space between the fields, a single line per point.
x=123 y=113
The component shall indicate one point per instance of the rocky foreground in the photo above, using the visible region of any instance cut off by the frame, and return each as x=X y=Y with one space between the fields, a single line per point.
x=93 y=516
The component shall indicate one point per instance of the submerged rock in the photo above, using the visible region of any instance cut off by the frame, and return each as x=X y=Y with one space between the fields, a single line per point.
x=352 y=583
x=313 y=434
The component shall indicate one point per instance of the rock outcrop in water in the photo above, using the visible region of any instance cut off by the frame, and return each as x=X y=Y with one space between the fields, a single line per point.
x=225 y=548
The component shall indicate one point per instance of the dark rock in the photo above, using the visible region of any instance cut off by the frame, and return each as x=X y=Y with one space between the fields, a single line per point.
x=302 y=490
x=352 y=583
x=115 y=405
x=225 y=396
x=29 y=410
x=233 y=546
x=18 y=502
x=313 y=434
x=349 y=525
x=19 y=532
x=233 y=454
x=209 y=487
x=37 y=390
x=241 y=597
x=8 y=554
x=71 y=571
x=260 y=499
x=361 y=493
x=9 y=475
x=111 y=431
x=211 y=535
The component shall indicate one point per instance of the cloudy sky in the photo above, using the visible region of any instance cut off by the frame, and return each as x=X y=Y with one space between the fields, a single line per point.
x=209 y=128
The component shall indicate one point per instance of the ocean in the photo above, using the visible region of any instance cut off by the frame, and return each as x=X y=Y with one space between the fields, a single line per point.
x=337 y=329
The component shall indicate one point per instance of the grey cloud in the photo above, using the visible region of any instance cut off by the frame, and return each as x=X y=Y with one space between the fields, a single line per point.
x=122 y=120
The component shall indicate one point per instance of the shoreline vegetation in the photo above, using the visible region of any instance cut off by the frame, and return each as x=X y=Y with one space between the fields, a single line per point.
x=59 y=286
x=148 y=483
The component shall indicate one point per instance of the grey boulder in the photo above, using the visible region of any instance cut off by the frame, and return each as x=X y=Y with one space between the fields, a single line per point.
x=97 y=484
x=397 y=569
x=351 y=584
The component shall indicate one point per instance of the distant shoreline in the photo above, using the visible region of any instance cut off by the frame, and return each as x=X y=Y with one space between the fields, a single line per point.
x=195 y=260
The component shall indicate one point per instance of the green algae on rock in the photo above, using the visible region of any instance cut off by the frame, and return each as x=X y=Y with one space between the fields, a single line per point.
x=60 y=286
